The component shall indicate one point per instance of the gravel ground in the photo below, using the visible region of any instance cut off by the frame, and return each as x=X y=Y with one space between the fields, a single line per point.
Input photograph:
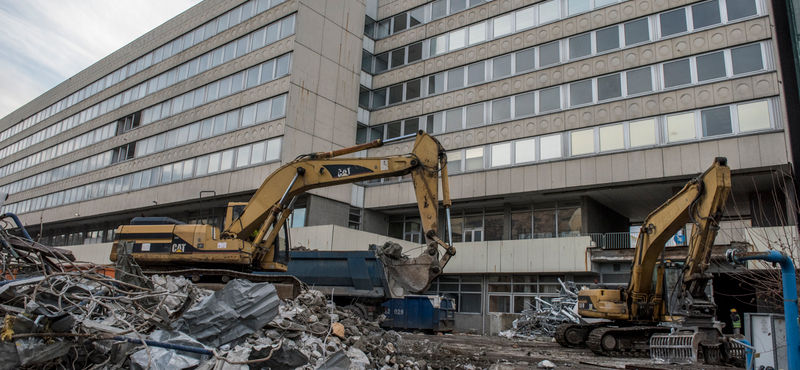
x=473 y=352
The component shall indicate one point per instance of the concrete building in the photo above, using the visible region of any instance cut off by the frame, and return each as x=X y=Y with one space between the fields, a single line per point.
x=566 y=122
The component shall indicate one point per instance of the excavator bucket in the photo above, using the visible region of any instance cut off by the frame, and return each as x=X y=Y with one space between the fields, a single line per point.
x=411 y=274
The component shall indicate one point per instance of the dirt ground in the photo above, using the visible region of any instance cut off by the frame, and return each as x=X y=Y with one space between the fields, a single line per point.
x=459 y=351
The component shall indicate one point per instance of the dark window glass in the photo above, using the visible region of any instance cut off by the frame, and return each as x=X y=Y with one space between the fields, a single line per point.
x=457 y=6
x=393 y=130
x=710 y=66
x=637 y=31
x=544 y=223
x=526 y=60
x=383 y=28
x=609 y=87
x=381 y=62
x=436 y=84
x=455 y=79
x=475 y=115
x=716 y=121
x=363 y=98
x=747 y=59
x=379 y=98
x=413 y=89
x=501 y=67
x=454 y=119
x=410 y=126
x=550 y=99
x=400 y=23
x=569 y=221
x=607 y=39
x=493 y=227
x=398 y=57
x=673 y=22
x=414 y=52
x=549 y=54
x=395 y=94
x=521 y=225
x=476 y=73
x=366 y=61
x=740 y=8
x=639 y=81
x=677 y=73
x=580 y=46
x=580 y=93
x=706 y=14
x=524 y=105
x=438 y=9
x=501 y=109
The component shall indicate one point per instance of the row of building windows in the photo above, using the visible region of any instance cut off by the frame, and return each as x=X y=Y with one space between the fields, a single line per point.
x=226 y=122
x=191 y=38
x=227 y=160
x=697 y=69
x=654 y=27
x=416 y=17
x=263 y=73
x=234 y=49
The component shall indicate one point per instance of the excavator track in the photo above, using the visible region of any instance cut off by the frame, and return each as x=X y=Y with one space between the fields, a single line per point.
x=633 y=341
x=571 y=335
x=224 y=276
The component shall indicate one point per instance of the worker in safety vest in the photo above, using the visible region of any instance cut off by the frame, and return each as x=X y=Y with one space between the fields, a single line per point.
x=737 y=322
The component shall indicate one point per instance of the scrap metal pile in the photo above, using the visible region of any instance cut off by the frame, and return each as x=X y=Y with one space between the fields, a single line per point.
x=543 y=320
x=61 y=314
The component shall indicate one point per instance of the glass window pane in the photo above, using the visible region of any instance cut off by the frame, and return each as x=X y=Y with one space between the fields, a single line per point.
x=677 y=73
x=550 y=147
x=477 y=73
x=454 y=165
x=475 y=115
x=398 y=57
x=681 y=127
x=711 y=66
x=550 y=99
x=438 y=9
x=415 y=52
x=501 y=109
x=416 y=17
x=753 y=116
x=612 y=138
x=501 y=67
x=282 y=66
x=525 y=151
x=580 y=46
x=278 y=106
x=413 y=89
x=526 y=60
x=673 y=22
x=474 y=159
x=257 y=154
x=637 y=31
x=524 y=105
x=716 y=121
x=383 y=28
x=477 y=33
x=457 y=6
x=548 y=11
x=639 y=81
x=582 y=142
x=502 y=26
x=410 y=126
x=580 y=93
x=248 y=115
x=438 y=45
x=273 y=150
x=501 y=154
x=381 y=62
x=458 y=39
x=525 y=19
x=393 y=130
x=379 y=98
x=549 y=54
x=227 y=160
x=455 y=79
x=747 y=59
x=740 y=8
x=609 y=87
x=267 y=71
x=202 y=167
x=262 y=114
x=213 y=162
x=577 y=6
x=454 y=120
x=706 y=14
x=607 y=39
x=400 y=23
x=395 y=94
x=569 y=221
x=436 y=84
x=287 y=26
x=188 y=168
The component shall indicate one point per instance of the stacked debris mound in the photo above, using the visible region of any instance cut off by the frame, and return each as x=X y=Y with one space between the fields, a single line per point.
x=543 y=320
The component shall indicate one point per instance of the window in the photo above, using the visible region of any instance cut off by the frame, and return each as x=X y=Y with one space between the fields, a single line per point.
x=637 y=31
x=681 y=127
x=476 y=73
x=379 y=98
x=454 y=162
x=415 y=52
x=580 y=93
x=413 y=89
x=544 y=223
x=747 y=59
x=410 y=126
x=438 y=9
x=501 y=154
x=475 y=115
x=400 y=23
x=393 y=130
x=455 y=79
x=582 y=142
x=474 y=159
x=438 y=45
x=609 y=87
x=740 y=8
x=677 y=73
x=550 y=99
x=673 y=22
x=706 y=14
x=434 y=124
x=549 y=54
x=416 y=17
x=607 y=39
x=612 y=138
x=436 y=84
x=716 y=121
x=458 y=39
x=753 y=116
x=501 y=67
x=525 y=151
x=521 y=225
x=381 y=62
x=454 y=120
x=711 y=66
x=569 y=221
x=642 y=133
x=395 y=94
x=502 y=26
x=526 y=60
x=639 y=81
x=524 y=105
x=548 y=11
x=525 y=18
x=578 y=6
x=550 y=147
x=580 y=46
x=501 y=109
x=398 y=57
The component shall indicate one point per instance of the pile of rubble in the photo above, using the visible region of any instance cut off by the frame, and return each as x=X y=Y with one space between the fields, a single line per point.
x=543 y=320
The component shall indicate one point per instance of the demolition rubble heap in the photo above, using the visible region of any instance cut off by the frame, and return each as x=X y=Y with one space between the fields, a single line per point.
x=62 y=314
x=543 y=321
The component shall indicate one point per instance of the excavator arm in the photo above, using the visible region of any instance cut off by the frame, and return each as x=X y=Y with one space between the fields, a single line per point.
x=701 y=202
x=268 y=210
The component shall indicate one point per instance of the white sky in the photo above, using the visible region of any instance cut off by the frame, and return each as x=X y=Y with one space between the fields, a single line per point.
x=44 y=42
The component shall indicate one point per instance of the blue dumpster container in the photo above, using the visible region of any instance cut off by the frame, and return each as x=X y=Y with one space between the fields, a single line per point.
x=420 y=312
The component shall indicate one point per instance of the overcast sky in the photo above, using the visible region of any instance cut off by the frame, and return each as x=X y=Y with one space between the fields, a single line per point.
x=44 y=42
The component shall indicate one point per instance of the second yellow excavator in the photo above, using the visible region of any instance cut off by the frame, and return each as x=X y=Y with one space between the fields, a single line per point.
x=250 y=241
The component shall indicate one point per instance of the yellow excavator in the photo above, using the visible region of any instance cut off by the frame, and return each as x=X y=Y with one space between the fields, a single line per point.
x=251 y=239
x=643 y=319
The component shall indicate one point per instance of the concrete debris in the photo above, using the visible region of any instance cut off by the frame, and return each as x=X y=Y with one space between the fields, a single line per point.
x=545 y=364
x=543 y=321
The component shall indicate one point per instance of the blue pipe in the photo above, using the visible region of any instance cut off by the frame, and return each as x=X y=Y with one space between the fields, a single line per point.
x=789 y=296
x=19 y=224
x=177 y=347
